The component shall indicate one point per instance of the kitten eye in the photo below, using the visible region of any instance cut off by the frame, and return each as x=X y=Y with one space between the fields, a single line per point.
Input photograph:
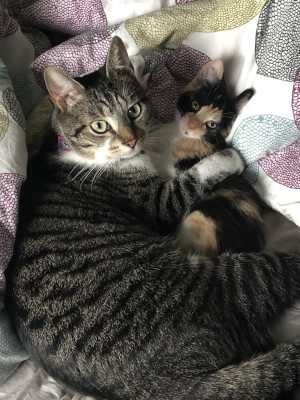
x=134 y=111
x=99 y=126
x=211 y=124
x=195 y=105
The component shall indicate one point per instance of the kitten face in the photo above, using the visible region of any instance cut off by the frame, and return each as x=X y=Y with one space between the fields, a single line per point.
x=202 y=112
x=104 y=116
x=198 y=123
x=205 y=109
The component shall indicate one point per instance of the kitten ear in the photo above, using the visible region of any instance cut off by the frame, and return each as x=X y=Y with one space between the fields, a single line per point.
x=241 y=100
x=117 y=58
x=211 y=73
x=235 y=107
x=64 y=90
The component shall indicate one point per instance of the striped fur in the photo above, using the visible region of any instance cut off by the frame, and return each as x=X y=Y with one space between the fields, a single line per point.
x=104 y=302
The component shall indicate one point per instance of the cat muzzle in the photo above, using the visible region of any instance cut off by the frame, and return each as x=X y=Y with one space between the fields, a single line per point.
x=131 y=143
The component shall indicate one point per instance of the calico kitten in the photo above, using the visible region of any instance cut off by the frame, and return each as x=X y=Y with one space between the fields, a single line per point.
x=101 y=298
x=231 y=217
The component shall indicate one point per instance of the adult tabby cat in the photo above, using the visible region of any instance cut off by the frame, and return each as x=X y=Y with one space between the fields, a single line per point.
x=104 y=303
x=231 y=217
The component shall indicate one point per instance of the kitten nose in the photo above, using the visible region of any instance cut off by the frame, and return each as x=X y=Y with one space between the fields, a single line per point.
x=131 y=143
x=191 y=125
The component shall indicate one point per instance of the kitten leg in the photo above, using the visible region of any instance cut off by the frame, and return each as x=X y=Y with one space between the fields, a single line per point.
x=222 y=163
x=197 y=233
x=167 y=202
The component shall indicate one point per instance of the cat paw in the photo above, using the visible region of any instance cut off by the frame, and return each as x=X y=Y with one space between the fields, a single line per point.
x=232 y=160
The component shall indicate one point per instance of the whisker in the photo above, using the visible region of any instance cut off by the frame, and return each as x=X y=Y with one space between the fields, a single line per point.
x=77 y=165
x=213 y=86
x=78 y=173
x=98 y=173
x=86 y=176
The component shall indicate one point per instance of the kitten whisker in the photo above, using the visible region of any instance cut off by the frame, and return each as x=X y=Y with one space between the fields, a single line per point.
x=213 y=86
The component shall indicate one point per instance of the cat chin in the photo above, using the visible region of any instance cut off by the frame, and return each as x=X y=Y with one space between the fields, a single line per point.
x=71 y=157
x=136 y=159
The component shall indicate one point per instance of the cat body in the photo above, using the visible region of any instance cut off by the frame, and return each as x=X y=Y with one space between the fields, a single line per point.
x=231 y=217
x=97 y=289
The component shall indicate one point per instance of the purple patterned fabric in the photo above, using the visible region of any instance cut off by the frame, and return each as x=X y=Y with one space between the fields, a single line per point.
x=79 y=55
x=296 y=99
x=10 y=185
x=13 y=107
x=164 y=85
x=284 y=166
x=73 y=17
x=8 y=25
x=278 y=40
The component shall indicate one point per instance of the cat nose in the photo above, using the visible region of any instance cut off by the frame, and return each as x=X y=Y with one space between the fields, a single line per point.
x=131 y=143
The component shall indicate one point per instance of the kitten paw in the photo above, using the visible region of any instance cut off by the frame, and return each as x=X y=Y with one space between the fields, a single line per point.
x=233 y=160
x=219 y=165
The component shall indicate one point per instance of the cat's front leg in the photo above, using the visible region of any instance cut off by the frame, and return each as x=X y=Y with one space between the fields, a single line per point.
x=218 y=166
x=167 y=201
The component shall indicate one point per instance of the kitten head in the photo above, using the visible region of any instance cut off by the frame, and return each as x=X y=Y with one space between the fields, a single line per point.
x=103 y=117
x=205 y=108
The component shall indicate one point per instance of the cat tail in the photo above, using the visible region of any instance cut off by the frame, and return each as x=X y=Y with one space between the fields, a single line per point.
x=266 y=376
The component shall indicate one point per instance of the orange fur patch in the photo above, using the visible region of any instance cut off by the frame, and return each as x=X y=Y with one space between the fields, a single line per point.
x=201 y=233
x=242 y=202
x=189 y=148
x=250 y=208
x=209 y=113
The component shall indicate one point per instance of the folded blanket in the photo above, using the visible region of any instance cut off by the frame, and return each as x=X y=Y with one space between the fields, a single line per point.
x=13 y=161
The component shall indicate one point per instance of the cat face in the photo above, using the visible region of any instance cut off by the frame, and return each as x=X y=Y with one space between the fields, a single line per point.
x=103 y=117
x=204 y=106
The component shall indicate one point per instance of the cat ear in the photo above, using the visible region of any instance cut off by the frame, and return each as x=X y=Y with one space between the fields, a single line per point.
x=241 y=100
x=64 y=90
x=211 y=73
x=235 y=107
x=117 y=58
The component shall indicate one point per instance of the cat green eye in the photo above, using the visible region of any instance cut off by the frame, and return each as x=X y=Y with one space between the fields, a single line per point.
x=99 y=126
x=134 y=111
x=195 y=105
x=211 y=124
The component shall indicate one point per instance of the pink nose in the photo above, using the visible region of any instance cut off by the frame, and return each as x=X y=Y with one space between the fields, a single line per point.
x=131 y=143
x=191 y=125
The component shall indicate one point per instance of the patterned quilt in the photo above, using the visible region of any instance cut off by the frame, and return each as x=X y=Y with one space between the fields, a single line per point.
x=168 y=41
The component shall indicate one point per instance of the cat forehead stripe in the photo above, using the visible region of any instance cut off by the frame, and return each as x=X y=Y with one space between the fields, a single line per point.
x=78 y=130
